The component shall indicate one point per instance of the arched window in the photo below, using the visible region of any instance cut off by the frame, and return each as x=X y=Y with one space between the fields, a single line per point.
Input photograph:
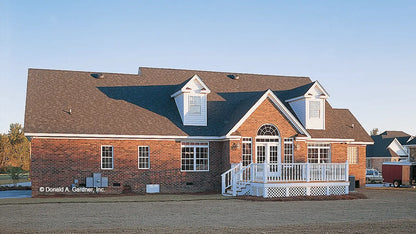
x=268 y=130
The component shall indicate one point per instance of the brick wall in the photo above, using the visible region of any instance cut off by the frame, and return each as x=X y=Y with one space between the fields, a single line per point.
x=339 y=155
x=58 y=162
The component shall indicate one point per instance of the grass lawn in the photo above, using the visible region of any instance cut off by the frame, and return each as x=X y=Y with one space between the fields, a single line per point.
x=6 y=179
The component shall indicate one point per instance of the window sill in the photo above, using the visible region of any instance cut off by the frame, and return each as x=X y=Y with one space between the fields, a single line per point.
x=195 y=171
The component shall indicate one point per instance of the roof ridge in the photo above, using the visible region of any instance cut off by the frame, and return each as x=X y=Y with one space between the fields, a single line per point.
x=240 y=73
x=63 y=70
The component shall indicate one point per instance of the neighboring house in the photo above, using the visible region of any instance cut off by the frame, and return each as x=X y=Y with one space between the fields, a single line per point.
x=388 y=147
x=411 y=149
x=178 y=131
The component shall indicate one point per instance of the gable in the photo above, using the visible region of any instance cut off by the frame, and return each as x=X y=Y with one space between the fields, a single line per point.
x=283 y=112
x=267 y=113
x=397 y=148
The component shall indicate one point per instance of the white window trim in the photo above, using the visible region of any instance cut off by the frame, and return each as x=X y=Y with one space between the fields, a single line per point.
x=319 y=147
x=289 y=141
x=195 y=146
x=112 y=158
x=191 y=96
x=148 y=157
x=247 y=140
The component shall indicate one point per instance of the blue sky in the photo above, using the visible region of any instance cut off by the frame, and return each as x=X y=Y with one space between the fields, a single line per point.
x=362 y=52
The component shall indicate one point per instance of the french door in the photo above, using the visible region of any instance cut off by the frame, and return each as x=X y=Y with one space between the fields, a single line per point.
x=269 y=152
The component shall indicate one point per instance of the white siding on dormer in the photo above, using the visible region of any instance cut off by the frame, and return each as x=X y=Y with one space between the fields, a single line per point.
x=195 y=119
x=299 y=107
x=179 y=104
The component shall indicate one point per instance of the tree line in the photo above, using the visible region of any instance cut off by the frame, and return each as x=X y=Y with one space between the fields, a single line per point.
x=14 y=149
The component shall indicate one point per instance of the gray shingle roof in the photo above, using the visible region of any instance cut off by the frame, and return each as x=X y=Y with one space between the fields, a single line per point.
x=128 y=104
x=411 y=142
x=383 y=140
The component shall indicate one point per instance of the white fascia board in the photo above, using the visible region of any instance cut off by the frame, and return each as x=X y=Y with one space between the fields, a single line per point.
x=176 y=94
x=114 y=136
x=279 y=104
x=183 y=90
x=361 y=143
x=196 y=77
x=302 y=138
x=295 y=99
x=330 y=140
x=334 y=140
x=375 y=157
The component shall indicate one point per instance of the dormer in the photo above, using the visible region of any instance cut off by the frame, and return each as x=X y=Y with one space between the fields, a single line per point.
x=310 y=106
x=397 y=148
x=191 y=101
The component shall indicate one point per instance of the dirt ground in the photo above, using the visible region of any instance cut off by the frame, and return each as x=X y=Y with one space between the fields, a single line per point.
x=385 y=211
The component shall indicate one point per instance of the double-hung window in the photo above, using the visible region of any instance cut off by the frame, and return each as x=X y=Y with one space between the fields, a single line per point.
x=107 y=157
x=319 y=153
x=288 y=150
x=195 y=156
x=143 y=157
x=247 y=154
x=352 y=153
x=314 y=109
x=195 y=104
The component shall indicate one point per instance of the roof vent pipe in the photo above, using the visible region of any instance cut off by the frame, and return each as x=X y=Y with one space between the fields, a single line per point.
x=234 y=77
x=98 y=75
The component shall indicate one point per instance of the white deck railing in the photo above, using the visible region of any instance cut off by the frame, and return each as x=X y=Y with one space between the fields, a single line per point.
x=299 y=172
x=239 y=176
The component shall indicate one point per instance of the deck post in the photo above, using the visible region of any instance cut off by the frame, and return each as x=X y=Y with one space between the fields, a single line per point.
x=251 y=172
x=223 y=183
x=265 y=169
x=234 y=184
x=346 y=171
x=308 y=172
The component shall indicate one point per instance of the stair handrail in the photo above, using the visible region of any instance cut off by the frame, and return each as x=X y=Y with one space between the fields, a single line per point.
x=241 y=178
x=227 y=177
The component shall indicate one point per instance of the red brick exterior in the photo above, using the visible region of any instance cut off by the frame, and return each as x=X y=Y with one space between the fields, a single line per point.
x=58 y=162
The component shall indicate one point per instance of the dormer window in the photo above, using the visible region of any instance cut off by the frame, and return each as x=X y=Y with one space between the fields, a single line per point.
x=195 y=105
x=191 y=101
x=314 y=109
x=310 y=106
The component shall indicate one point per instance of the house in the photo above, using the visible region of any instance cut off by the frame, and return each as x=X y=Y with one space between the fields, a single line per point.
x=177 y=131
x=388 y=146
x=410 y=147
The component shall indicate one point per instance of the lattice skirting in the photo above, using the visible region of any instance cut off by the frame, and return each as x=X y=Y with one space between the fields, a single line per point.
x=291 y=190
